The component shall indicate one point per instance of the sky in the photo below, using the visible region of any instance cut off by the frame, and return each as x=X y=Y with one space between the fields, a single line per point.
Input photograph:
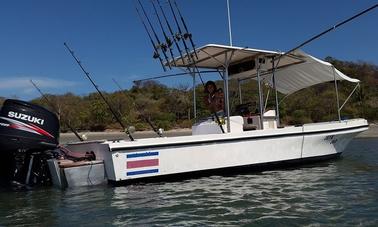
x=111 y=42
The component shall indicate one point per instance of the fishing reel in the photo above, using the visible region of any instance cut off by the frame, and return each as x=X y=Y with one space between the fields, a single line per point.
x=187 y=36
x=169 y=42
x=155 y=55
x=130 y=129
x=162 y=46
x=160 y=131
x=178 y=36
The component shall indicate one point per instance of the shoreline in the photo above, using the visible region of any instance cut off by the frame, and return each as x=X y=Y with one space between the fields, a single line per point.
x=372 y=132
x=118 y=135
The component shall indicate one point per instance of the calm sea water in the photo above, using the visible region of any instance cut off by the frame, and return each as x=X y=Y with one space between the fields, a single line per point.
x=342 y=192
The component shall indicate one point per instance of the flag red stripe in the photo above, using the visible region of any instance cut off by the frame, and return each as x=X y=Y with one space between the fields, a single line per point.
x=142 y=163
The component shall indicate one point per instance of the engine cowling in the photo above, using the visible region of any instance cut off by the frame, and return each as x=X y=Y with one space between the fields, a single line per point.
x=24 y=125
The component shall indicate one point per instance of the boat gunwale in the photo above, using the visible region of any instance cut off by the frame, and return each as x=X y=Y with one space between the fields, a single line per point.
x=232 y=139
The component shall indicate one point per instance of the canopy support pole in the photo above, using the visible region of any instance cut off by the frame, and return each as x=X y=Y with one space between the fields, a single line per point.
x=260 y=95
x=350 y=95
x=337 y=94
x=226 y=91
x=194 y=97
x=227 y=103
x=240 y=93
x=276 y=93
x=266 y=100
x=226 y=98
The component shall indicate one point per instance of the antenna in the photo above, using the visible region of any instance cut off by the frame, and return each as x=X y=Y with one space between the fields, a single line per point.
x=56 y=110
x=100 y=93
x=229 y=21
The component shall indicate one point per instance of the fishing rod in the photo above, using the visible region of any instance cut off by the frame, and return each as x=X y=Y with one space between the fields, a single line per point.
x=179 y=35
x=171 y=31
x=186 y=34
x=168 y=41
x=275 y=66
x=161 y=45
x=157 y=131
x=56 y=110
x=156 y=51
x=176 y=38
x=177 y=45
x=330 y=29
x=100 y=93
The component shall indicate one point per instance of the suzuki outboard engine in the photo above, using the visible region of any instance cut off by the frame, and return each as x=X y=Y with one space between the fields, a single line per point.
x=27 y=132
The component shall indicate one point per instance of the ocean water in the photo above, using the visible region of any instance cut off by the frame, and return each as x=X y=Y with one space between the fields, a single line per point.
x=342 y=192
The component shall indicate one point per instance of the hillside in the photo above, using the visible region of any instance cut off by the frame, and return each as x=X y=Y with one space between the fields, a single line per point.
x=172 y=107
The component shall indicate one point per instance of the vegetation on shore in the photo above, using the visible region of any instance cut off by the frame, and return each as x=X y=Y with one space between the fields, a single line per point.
x=171 y=108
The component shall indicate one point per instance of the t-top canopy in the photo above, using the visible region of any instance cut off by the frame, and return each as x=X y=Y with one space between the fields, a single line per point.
x=294 y=71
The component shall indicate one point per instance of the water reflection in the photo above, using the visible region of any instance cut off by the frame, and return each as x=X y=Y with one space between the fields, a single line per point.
x=25 y=207
x=217 y=199
x=342 y=192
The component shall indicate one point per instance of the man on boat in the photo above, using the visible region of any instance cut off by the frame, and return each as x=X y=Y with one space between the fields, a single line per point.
x=214 y=98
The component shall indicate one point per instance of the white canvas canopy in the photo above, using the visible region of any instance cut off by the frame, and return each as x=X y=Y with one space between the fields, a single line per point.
x=308 y=73
x=295 y=71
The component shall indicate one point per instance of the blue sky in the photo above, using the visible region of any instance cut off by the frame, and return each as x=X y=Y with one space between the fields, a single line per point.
x=109 y=38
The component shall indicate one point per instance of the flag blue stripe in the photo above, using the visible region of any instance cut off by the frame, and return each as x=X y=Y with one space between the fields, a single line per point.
x=146 y=154
x=133 y=173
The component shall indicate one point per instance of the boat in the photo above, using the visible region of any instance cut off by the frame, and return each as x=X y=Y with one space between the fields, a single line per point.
x=234 y=143
x=29 y=134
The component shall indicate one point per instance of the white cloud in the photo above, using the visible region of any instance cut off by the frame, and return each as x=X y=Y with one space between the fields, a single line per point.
x=21 y=88
x=24 y=84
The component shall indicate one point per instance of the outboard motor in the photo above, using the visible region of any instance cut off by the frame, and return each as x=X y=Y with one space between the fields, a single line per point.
x=27 y=133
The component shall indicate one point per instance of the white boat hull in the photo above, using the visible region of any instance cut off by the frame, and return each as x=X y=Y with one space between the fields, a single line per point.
x=177 y=155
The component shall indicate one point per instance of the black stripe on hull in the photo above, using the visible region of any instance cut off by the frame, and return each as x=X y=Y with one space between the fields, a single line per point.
x=226 y=140
x=228 y=171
